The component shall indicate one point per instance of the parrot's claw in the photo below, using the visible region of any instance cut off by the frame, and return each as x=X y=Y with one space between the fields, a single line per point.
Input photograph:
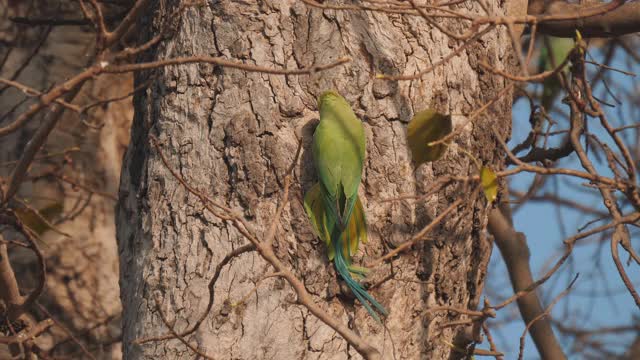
x=358 y=272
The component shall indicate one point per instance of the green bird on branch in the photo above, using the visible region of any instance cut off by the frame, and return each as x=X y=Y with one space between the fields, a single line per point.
x=332 y=204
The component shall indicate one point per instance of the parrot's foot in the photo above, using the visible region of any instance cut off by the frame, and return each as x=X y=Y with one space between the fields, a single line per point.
x=358 y=272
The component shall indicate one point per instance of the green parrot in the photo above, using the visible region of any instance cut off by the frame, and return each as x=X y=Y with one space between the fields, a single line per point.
x=332 y=204
x=550 y=57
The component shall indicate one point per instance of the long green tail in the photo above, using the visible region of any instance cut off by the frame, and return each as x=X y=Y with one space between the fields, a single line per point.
x=343 y=266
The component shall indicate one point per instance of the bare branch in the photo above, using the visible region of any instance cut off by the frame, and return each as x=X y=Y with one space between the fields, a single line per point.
x=174 y=333
x=420 y=236
x=29 y=333
x=541 y=316
x=445 y=59
x=9 y=291
x=515 y=253
x=624 y=19
x=115 y=36
x=212 y=284
x=222 y=62
x=18 y=304
x=615 y=241
x=34 y=145
x=265 y=249
x=68 y=332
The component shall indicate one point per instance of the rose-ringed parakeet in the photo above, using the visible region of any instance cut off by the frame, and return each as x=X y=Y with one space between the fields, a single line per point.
x=332 y=204
x=550 y=57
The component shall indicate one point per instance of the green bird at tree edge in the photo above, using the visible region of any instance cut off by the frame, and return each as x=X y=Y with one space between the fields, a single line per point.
x=332 y=204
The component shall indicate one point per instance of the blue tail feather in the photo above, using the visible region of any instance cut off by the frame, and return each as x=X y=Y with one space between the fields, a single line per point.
x=360 y=293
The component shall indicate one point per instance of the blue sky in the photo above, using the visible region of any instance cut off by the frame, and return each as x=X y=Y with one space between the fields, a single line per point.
x=546 y=225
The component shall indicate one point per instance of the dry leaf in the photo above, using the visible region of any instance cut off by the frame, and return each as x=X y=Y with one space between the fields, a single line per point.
x=34 y=222
x=489 y=182
x=425 y=127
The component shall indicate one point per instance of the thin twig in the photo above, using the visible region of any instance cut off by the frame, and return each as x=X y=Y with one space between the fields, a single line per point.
x=212 y=283
x=175 y=334
x=542 y=315
x=265 y=249
x=420 y=236
x=29 y=333
x=68 y=332
x=444 y=60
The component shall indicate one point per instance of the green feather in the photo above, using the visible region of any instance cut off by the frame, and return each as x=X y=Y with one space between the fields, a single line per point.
x=333 y=206
x=323 y=225
x=551 y=57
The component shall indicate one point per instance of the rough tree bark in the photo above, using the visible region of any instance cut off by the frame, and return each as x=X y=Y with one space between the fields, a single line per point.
x=233 y=134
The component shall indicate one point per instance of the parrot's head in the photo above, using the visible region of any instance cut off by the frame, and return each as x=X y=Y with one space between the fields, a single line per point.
x=329 y=96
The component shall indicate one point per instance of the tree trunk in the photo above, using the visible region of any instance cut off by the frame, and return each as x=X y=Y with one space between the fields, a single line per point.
x=232 y=135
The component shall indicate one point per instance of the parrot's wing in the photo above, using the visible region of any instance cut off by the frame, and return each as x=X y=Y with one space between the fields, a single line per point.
x=338 y=152
x=356 y=230
x=315 y=208
x=327 y=158
x=322 y=224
